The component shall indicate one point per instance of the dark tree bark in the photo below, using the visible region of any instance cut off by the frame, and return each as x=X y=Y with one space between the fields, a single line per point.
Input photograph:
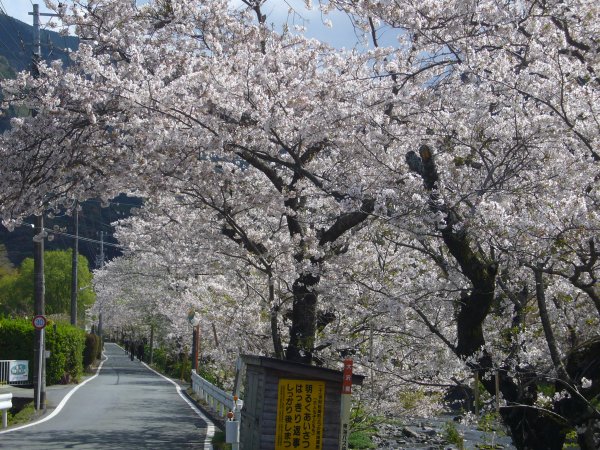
x=304 y=320
x=530 y=427
x=301 y=346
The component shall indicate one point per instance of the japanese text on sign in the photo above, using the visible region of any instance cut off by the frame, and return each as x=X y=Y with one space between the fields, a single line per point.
x=300 y=405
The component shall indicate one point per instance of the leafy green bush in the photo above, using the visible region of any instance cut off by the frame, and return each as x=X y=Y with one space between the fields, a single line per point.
x=66 y=344
x=182 y=370
x=159 y=359
x=361 y=440
x=453 y=436
x=171 y=364
x=205 y=372
x=16 y=341
x=91 y=350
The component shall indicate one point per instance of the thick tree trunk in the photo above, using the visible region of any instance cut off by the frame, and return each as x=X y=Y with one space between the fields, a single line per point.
x=530 y=427
x=533 y=429
x=584 y=362
x=304 y=312
x=274 y=313
x=277 y=346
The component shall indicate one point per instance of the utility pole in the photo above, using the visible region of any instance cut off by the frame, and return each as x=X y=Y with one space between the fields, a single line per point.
x=39 y=362
x=101 y=267
x=39 y=307
x=74 y=285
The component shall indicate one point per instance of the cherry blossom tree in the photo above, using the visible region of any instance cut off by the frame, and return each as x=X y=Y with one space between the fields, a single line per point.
x=504 y=137
x=174 y=87
x=449 y=182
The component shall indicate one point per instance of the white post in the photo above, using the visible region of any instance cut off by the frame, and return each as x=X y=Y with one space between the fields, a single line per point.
x=346 y=405
x=232 y=425
x=5 y=405
x=40 y=366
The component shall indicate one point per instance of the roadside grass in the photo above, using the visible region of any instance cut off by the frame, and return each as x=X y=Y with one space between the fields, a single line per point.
x=21 y=412
x=361 y=440
x=218 y=441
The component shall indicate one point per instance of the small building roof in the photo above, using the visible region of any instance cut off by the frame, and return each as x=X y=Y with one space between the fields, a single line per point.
x=299 y=369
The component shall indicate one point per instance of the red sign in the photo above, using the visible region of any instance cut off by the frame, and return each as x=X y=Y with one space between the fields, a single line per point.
x=39 y=322
x=347 y=381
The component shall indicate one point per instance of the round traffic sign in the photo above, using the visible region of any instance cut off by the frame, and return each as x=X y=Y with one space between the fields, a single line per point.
x=39 y=322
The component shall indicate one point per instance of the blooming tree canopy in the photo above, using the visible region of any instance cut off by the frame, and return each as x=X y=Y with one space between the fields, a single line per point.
x=436 y=197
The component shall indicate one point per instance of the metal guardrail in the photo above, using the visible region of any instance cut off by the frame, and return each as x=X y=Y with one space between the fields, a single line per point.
x=223 y=405
x=217 y=400
x=5 y=378
x=5 y=405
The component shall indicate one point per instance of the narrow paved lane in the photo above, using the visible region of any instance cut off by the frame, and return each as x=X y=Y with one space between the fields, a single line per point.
x=126 y=407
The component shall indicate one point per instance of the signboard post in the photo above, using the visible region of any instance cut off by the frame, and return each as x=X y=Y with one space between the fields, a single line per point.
x=289 y=405
x=300 y=408
x=39 y=323
x=346 y=404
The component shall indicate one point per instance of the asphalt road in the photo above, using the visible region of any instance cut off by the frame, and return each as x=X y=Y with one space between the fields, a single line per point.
x=127 y=406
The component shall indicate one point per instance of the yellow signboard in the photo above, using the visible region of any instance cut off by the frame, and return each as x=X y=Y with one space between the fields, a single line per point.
x=300 y=405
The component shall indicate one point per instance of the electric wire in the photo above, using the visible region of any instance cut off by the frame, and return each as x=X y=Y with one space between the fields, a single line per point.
x=50 y=230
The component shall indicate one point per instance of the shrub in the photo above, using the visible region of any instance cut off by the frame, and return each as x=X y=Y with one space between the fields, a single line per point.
x=65 y=343
x=218 y=441
x=361 y=440
x=181 y=370
x=90 y=352
x=99 y=347
x=159 y=359
x=16 y=341
x=452 y=435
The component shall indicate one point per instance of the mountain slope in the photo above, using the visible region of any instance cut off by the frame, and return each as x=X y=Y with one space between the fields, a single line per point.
x=16 y=40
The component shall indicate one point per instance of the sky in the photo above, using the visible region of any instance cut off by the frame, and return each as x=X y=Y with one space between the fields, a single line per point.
x=340 y=35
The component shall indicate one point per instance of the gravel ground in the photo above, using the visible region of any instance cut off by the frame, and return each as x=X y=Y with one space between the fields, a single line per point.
x=430 y=434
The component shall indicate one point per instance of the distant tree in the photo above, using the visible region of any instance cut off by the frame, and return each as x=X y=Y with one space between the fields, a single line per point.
x=16 y=291
x=6 y=71
x=6 y=266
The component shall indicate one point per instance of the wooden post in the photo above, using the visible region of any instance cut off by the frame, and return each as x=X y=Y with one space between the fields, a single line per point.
x=497 y=392
x=196 y=347
x=476 y=392
x=151 y=343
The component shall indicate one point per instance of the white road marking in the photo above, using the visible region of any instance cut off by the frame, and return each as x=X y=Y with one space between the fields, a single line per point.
x=60 y=405
x=210 y=428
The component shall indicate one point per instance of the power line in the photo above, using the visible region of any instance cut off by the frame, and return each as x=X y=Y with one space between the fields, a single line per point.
x=62 y=233
x=113 y=203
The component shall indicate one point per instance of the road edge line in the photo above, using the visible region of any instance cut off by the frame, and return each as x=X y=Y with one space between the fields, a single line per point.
x=62 y=403
x=210 y=426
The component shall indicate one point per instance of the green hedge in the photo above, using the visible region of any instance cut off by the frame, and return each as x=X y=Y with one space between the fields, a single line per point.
x=65 y=343
x=16 y=341
x=93 y=350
